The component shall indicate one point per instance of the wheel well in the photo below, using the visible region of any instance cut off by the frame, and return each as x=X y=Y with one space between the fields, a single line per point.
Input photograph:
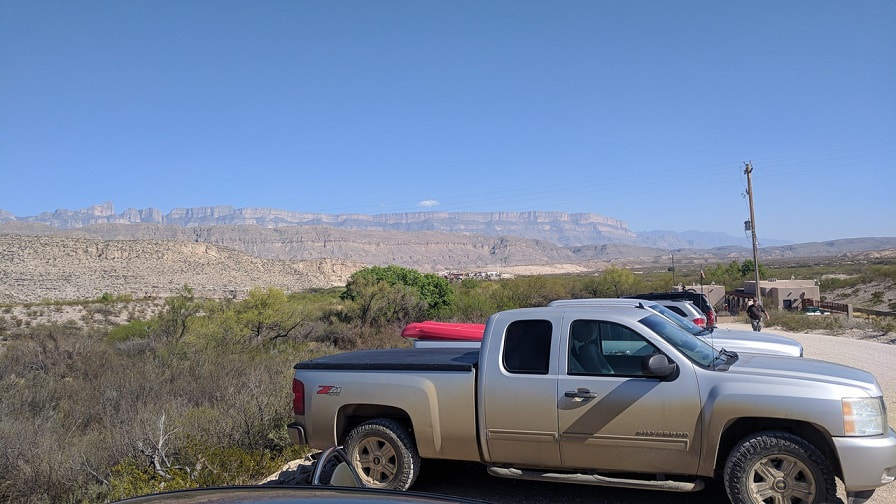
x=743 y=427
x=353 y=415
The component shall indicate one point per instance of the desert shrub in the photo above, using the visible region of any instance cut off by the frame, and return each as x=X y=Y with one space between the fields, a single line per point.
x=339 y=335
x=101 y=310
x=858 y=274
x=529 y=291
x=133 y=330
x=268 y=314
x=474 y=301
x=214 y=466
x=800 y=322
x=126 y=406
x=131 y=477
x=114 y=298
x=883 y=324
x=372 y=305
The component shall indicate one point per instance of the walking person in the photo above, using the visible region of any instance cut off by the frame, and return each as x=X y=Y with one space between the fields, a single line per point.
x=756 y=311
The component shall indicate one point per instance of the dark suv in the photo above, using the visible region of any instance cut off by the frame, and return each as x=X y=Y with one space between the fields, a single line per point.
x=699 y=300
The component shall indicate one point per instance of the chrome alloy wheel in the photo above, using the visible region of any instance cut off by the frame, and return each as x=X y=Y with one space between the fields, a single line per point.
x=782 y=479
x=376 y=461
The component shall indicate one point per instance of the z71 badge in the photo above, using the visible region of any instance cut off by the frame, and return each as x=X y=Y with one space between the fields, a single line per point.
x=329 y=390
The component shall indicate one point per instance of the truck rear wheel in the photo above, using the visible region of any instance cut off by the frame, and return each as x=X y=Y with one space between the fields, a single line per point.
x=777 y=467
x=383 y=454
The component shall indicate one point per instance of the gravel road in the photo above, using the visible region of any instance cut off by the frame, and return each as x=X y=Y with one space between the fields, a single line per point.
x=472 y=481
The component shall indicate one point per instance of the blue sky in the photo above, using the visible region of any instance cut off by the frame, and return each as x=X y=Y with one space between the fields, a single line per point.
x=643 y=111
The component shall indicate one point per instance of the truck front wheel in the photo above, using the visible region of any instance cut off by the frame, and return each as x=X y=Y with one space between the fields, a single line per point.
x=777 y=467
x=383 y=454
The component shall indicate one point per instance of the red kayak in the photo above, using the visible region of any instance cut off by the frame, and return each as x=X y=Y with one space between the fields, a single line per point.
x=443 y=331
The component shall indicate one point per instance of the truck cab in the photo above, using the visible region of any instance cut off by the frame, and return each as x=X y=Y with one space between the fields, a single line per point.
x=575 y=387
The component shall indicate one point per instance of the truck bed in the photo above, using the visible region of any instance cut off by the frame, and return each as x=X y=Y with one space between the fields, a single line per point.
x=399 y=359
x=435 y=388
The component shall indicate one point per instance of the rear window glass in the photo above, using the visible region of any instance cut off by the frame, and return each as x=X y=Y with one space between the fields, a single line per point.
x=527 y=347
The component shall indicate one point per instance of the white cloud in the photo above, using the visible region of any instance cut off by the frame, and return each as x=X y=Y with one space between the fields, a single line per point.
x=428 y=203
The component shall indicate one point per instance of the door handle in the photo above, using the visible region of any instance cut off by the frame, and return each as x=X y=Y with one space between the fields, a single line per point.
x=581 y=393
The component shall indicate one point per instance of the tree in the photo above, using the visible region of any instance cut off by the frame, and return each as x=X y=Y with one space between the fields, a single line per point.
x=747 y=269
x=618 y=281
x=733 y=273
x=527 y=291
x=724 y=274
x=177 y=312
x=376 y=304
x=435 y=291
x=268 y=315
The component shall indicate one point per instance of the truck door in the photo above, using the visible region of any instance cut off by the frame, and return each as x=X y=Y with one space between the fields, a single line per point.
x=519 y=394
x=613 y=417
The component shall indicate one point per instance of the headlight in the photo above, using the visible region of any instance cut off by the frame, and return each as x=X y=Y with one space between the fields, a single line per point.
x=863 y=416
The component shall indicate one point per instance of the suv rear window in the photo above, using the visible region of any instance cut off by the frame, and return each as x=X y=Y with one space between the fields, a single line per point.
x=693 y=347
x=698 y=298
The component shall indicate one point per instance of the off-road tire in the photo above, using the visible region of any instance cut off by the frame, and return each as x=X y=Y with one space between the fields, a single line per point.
x=383 y=454
x=776 y=467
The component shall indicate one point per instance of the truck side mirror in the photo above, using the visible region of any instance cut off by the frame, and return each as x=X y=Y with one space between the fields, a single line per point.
x=658 y=365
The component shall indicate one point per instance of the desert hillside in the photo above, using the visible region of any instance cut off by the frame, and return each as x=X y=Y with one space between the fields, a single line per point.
x=33 y=268
x=39 y=261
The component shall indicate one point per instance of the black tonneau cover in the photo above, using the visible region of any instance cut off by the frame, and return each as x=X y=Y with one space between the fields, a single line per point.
x=399 y=359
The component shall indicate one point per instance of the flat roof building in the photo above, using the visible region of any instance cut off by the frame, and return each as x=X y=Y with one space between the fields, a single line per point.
x=783 y=294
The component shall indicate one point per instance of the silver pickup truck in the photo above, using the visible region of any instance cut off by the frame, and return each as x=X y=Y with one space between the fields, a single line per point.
x=617 y=396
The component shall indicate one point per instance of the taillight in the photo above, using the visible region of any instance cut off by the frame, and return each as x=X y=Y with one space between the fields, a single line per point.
x=700 y=321
x=711 y=318
x=298 y=397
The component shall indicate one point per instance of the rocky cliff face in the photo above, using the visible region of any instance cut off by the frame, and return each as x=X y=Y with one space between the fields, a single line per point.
x=560 y=228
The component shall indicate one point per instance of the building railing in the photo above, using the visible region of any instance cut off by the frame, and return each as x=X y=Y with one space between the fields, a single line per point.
x=826 y=305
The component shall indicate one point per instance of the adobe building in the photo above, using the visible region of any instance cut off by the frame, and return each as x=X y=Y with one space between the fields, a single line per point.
x=714 y=293
x=783 y=294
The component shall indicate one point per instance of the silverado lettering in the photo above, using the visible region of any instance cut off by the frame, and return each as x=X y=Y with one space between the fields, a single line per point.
x=664 y=434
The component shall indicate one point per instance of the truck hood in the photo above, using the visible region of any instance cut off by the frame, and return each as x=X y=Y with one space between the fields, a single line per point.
x=753 y=342
x=805 y=369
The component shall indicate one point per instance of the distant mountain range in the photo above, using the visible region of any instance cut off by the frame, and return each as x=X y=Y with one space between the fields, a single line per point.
x=222 y=251
x=559 y=228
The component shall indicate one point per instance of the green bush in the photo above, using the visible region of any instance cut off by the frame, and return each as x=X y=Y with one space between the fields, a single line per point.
x=134 y=330
x=434 y=292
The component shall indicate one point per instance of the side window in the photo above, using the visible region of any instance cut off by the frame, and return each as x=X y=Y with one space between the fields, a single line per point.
x=527 y=347
x=599 y=347
x=679 y=311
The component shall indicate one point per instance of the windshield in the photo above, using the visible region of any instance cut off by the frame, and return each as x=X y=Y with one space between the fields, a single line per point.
x=682 y=322
x=693 y=347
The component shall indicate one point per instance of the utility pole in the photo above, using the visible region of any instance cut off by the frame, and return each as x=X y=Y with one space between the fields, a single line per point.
x=748 y=169
x=673 y=267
